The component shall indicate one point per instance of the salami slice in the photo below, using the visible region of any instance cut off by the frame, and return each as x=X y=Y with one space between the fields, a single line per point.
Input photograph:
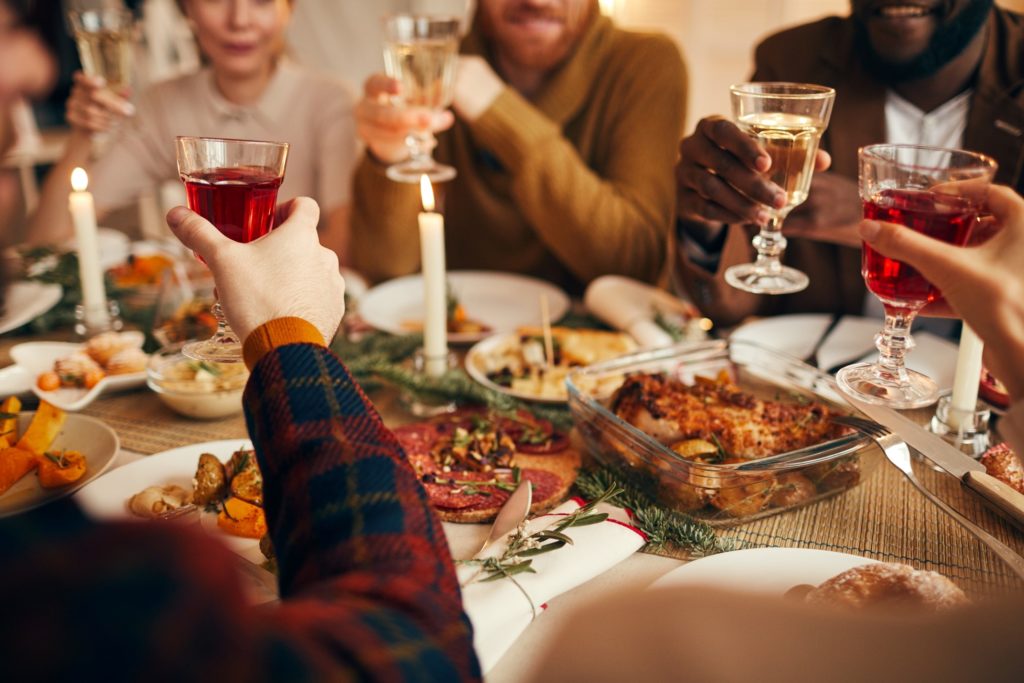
x=456 y=497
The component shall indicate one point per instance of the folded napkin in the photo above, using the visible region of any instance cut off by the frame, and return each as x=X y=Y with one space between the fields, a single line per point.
x=500 y=610
x=630 y=306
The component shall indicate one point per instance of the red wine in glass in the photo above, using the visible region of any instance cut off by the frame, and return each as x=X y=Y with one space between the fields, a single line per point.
x=945 y=217
x=239 y=201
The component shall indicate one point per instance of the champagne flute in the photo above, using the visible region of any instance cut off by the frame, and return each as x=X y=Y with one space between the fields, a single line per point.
x=421 y=53
x=787 y=119
x=233 y=184
x=935 y=191
x=106 y=41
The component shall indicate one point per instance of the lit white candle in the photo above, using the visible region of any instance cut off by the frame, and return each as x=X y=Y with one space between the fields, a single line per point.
x=435 y=304
x=83 y=214
x=965 y=383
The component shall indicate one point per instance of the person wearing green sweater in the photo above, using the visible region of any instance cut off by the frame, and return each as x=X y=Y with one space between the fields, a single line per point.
x=559 y=136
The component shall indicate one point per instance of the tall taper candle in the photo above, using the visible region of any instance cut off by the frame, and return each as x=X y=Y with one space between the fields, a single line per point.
x=435 y=299
x=83 y=214
x=965 y=383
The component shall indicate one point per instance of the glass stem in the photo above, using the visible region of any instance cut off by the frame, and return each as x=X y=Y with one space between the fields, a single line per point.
x=770 y=244
x=421 y=146
x=224 y=334
x=893 y=343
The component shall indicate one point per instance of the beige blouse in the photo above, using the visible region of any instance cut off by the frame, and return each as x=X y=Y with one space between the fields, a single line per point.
x=312 y=112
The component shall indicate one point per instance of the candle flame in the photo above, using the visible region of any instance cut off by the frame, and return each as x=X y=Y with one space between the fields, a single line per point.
x=79 y=180
x=426 y=193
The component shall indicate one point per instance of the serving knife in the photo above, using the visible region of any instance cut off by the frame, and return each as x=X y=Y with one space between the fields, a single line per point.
x=969 y=471
x=511 y=514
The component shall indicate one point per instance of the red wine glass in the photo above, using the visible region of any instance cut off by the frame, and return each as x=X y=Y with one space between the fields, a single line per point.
x=233 y=184
x=934 y=191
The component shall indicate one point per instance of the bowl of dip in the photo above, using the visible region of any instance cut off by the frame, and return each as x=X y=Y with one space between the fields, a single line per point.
x=198 y=389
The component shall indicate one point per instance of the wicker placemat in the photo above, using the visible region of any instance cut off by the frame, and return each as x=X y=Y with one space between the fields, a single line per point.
x=886 y=519
x=146 y=425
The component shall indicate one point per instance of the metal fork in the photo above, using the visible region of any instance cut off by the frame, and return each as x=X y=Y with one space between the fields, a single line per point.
x=898 y=454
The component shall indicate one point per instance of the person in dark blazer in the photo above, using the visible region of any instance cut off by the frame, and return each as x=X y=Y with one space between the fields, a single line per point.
x=942 y=72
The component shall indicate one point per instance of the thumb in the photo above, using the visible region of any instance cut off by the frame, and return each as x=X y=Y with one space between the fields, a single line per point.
x=937 y=261
x=196 y=233
x=301 y=213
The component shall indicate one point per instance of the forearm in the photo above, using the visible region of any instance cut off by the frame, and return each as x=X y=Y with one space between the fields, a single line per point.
x=595 y=225
x=350 y=522
x=383 y=242
x=51 y=222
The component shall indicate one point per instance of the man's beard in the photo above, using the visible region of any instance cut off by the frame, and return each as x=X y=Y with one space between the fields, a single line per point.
x=949 y=40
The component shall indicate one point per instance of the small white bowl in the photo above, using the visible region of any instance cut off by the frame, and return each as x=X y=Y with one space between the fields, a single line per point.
x=196 y=390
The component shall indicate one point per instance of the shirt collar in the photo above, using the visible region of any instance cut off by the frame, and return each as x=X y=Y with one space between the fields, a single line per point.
x=272 y=105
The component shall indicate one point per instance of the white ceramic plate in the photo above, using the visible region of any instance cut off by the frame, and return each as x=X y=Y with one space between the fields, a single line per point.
x=96 y=441
x=794 y=335
x=15 y=381
x=38 y=357
x=769 y=571
x=114 y=247
x=502 y=301
x=107 y=499
x=26 y=301
x=475 y=367
x=355 y=284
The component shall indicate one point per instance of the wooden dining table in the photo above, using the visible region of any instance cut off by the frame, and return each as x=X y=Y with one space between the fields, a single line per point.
x=883 y=518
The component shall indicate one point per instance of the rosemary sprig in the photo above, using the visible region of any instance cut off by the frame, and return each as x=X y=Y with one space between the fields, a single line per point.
x=59 y=459
x=664 y=528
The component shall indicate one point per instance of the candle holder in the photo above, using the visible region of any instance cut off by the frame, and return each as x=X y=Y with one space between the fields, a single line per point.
x=422 y=405
x=88 y=326
x=968 y=433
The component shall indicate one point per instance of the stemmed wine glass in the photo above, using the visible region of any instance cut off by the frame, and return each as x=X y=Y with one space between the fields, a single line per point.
x=935 y=191
x=233 y=184
x=106 y=42
x=787 y=119
x=421 y=53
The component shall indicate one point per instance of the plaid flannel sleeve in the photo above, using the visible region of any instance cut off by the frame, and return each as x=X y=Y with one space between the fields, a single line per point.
x=368 y=587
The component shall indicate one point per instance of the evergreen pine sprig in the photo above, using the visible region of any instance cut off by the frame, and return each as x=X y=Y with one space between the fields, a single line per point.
x=664 y=528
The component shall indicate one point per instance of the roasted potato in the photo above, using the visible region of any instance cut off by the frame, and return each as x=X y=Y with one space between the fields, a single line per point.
x=246 y=479
x=61 y=469
x=240 y=518
x=43 y=429
x=9 y=425
x=211 y=482
x=15 y=463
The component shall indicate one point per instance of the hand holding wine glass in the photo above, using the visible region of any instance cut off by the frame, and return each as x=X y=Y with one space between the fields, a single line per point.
x=288 y=273
x=384 y=126
x=93 y=107
x=934 y=191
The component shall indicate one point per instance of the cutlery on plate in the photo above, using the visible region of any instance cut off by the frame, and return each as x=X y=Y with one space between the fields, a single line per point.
x=812 y=357
x=898 y=454
x=1006 y=500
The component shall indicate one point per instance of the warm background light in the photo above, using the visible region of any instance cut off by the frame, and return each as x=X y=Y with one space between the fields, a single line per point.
x=79 y=180
x=426 y=193
x=607 y=7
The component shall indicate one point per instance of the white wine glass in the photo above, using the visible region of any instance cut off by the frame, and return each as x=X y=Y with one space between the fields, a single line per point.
x=787 y=119
x=106 y=44
x=421 y=53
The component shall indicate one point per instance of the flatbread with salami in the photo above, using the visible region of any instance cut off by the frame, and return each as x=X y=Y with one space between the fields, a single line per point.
x=471 y=460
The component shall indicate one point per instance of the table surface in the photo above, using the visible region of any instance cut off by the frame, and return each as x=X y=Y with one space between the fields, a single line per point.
x=883 y=518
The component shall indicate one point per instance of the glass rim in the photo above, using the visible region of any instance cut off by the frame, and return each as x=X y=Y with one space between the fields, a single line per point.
x=812 y=90
x=869 y=152
x=439 y=18
x=242 y=141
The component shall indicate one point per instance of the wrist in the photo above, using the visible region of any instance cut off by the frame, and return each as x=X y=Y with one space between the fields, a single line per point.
x=275 y=333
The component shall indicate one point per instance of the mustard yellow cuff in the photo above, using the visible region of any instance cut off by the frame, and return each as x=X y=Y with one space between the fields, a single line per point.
x=275 y=333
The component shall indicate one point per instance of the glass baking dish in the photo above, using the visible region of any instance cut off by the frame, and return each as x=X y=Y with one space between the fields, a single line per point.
x=721 y=494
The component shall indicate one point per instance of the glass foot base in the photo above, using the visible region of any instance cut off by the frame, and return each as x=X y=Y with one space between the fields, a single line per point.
x=967 y=432
x=751 y=277
x=867 y=382
x=224 y=349
x=412 y=171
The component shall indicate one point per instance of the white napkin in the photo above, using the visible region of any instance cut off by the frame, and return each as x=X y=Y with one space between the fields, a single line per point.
x=499 y=610
x=630 y=306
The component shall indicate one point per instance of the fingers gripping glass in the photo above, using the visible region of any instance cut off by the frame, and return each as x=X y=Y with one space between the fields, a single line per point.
x=787 y=119
x=233 y=184
x=937 y=192
x=421 y=53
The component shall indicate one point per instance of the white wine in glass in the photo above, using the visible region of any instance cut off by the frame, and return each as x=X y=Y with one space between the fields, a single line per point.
x=787 y=119
x=106 y=44
x=421 y=53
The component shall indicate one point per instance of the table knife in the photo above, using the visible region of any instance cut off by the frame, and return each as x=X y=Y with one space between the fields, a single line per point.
x=511 y=514
x=969 y=471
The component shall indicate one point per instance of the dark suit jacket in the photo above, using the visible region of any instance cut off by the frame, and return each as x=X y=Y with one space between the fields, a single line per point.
x=823 y=52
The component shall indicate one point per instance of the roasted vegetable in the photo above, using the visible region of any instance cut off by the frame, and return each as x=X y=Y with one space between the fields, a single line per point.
x=211 y=482
x=240 y=518
x=246 y=479
x=45 y=426
x=9 y=425
x=15 y=463
x=61 y=468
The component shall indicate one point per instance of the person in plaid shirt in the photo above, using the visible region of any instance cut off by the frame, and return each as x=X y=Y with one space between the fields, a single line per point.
x=368 y=589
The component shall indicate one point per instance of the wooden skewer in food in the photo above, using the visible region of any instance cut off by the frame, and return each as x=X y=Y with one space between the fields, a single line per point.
x=545 y=319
